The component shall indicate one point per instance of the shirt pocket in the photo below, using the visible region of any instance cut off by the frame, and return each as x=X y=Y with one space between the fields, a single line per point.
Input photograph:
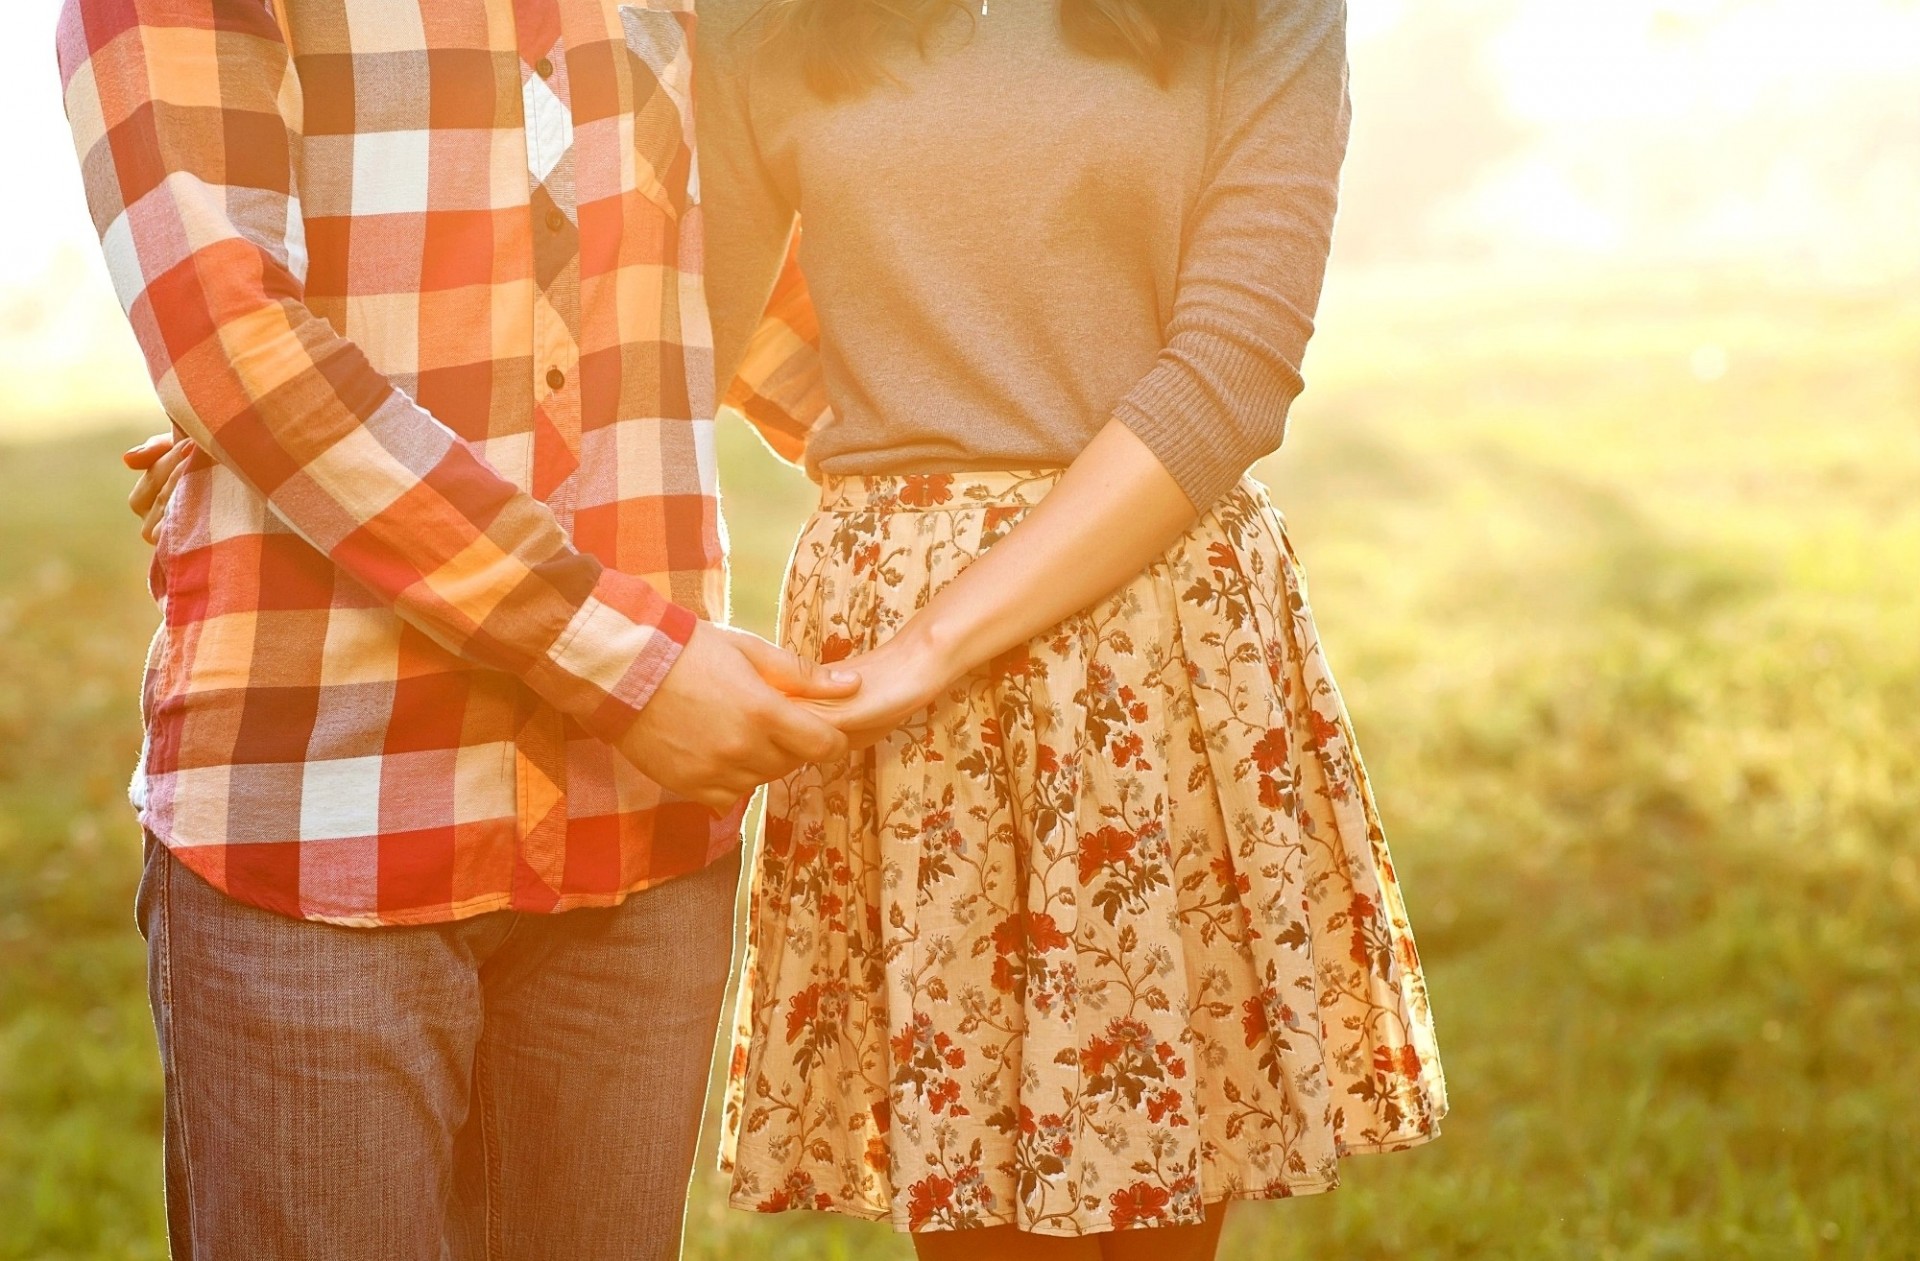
x=659 y=39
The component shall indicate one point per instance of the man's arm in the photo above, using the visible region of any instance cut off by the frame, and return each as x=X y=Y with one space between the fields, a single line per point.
x=185 y=115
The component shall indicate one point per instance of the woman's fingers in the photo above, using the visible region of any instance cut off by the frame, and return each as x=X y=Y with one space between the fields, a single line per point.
x=795 y=677
x=155 y=484
x=149 y=450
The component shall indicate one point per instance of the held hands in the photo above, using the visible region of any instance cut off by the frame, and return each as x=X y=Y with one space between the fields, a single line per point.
x=897 y=680
x=733 y=714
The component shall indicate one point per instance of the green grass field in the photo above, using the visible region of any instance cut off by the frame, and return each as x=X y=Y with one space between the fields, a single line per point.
x=1633 y=646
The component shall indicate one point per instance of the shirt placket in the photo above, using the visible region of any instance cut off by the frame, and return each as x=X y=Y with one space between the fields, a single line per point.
x=546 y=101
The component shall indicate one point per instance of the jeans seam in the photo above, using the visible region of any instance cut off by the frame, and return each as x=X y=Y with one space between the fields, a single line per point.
x=173 y=1075
x=496 y=1248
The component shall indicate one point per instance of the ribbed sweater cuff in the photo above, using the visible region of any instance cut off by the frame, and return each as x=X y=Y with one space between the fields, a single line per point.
x=1209 y=419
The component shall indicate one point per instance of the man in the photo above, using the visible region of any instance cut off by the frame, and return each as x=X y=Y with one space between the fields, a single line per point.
x=443 y=765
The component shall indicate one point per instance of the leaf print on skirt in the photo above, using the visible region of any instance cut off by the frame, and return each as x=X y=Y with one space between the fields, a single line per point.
x=1107 y=934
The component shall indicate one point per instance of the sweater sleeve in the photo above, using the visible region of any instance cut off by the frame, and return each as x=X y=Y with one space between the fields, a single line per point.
x=1255 y=254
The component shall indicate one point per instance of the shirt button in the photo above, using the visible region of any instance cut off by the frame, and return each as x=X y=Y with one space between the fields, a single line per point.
x=555 y=221
x=555 y=378
x=543 y=68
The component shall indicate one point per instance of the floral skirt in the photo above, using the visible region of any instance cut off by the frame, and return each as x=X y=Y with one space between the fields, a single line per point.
x=1107 y=934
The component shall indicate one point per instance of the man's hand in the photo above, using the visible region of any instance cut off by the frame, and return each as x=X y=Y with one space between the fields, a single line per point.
x=724 y=721
x=160 y=459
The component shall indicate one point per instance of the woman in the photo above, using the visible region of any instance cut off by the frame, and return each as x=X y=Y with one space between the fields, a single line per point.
x=1098 y=930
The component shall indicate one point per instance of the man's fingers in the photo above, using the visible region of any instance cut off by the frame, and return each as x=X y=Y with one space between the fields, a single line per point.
x=783 y=670
x=806 y=735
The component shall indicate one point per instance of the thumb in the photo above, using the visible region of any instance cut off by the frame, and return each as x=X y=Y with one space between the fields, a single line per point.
x=781 y=669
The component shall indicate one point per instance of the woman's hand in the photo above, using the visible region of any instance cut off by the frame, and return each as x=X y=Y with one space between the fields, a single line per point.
x=898 y=679
x=160 y=459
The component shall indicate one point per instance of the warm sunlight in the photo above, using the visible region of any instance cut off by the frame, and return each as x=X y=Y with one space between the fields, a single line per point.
x=1642 y=132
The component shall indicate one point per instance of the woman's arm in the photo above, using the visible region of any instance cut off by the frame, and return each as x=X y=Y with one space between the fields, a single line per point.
x=1112 y=513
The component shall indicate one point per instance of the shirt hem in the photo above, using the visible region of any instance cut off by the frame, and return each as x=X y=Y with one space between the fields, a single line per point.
x=717 y=848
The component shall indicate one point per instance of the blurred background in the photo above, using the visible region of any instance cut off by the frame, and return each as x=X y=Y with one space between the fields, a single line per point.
x=1608 y=481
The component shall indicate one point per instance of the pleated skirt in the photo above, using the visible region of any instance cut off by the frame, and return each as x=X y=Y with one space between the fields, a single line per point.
x=1106 y=935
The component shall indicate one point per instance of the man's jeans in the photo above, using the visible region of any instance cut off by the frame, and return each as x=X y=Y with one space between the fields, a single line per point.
x=509 y=1086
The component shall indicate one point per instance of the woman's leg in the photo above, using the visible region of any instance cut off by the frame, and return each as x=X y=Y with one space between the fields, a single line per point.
x=1167 y=1243
x=1003 y=1243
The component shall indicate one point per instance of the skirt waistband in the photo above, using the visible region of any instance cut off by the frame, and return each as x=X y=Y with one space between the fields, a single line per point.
x=935 y=492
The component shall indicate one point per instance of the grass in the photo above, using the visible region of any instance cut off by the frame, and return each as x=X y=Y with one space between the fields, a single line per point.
x=1633 y=656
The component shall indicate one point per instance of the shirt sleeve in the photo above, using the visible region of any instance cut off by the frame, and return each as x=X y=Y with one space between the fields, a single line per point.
x=1255 y=253
x=780 y=388
x=766 y=337
x=186 y=115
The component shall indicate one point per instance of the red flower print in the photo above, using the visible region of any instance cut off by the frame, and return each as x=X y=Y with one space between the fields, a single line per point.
x=924 y=490
x=1253 y=1019
x=1162 y=1104
x=1008 y=934
x=1270 y=795
x=836 y=648
x=904 y=1043
x=802 y=1010
x=1325 y=729
x=1229 y=876
x=929 y=1196
x=1127 y=748
x=1044 y=935
x=945 y=1098
x=1014 y=663
x=1099 y=1055
x=999 y=514
x=1271 y=751
x=1045 y=760
x=1107 y=847
x=1140 y=1204
x=778 y=837
x=1005 y=978
x=866 y=558
x=1405 y=1062
x=1220 y=556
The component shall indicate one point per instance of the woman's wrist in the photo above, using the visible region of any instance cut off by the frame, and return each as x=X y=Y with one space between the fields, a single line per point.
x=942 y=643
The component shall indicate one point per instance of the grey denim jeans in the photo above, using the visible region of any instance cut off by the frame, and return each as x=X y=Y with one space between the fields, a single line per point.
x=511 y=1086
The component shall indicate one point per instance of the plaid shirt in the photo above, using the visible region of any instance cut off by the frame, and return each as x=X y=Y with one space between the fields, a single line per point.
x=422 y=278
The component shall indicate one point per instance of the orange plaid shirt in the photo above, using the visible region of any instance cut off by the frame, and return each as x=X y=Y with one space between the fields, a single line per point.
x=423 y=280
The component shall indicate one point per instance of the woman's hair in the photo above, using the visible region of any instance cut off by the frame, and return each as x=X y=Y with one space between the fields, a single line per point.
x=839 y=42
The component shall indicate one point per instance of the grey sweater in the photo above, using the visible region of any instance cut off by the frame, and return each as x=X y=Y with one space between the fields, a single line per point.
x=1016 y=242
